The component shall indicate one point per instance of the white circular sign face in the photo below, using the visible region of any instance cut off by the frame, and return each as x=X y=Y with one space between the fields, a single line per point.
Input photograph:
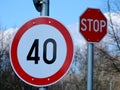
x=41 y=51
x=42 y=33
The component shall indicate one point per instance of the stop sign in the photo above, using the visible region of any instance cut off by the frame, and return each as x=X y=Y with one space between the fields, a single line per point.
x=93 y=25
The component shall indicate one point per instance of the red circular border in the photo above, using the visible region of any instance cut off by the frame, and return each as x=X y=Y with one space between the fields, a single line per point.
x=68 y=60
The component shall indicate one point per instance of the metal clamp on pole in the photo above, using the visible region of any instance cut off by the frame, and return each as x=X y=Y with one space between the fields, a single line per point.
x=42 y=6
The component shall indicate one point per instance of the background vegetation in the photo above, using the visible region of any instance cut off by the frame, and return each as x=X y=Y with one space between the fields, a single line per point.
x=106 y=63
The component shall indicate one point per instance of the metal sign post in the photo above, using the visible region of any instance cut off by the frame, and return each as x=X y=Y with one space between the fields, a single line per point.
x=42 y=6
x=90 y=66
x=43 y=88
x=44 y=12
x=45 y=8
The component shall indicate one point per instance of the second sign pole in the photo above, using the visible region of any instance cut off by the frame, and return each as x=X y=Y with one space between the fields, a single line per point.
x=90 y=66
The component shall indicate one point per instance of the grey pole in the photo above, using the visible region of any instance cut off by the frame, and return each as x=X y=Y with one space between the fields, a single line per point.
x=90 y=66
x=111 y=81
x=44 y=12
x=45 y=8
x=43 y=88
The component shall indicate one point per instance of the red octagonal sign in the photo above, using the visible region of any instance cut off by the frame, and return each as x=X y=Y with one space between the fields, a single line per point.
x=93 y=25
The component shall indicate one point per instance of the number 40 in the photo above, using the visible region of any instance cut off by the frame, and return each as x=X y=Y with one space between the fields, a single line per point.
x=35 y=47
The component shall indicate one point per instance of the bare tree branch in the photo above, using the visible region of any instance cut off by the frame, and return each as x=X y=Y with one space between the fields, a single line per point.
x=113 y=60
x=112 y=26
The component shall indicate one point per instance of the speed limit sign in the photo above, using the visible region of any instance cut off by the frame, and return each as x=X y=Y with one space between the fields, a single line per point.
x=41 y=51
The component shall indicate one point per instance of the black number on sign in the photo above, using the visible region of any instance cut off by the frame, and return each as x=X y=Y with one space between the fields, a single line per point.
x=45 y=51
x=35 y=47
